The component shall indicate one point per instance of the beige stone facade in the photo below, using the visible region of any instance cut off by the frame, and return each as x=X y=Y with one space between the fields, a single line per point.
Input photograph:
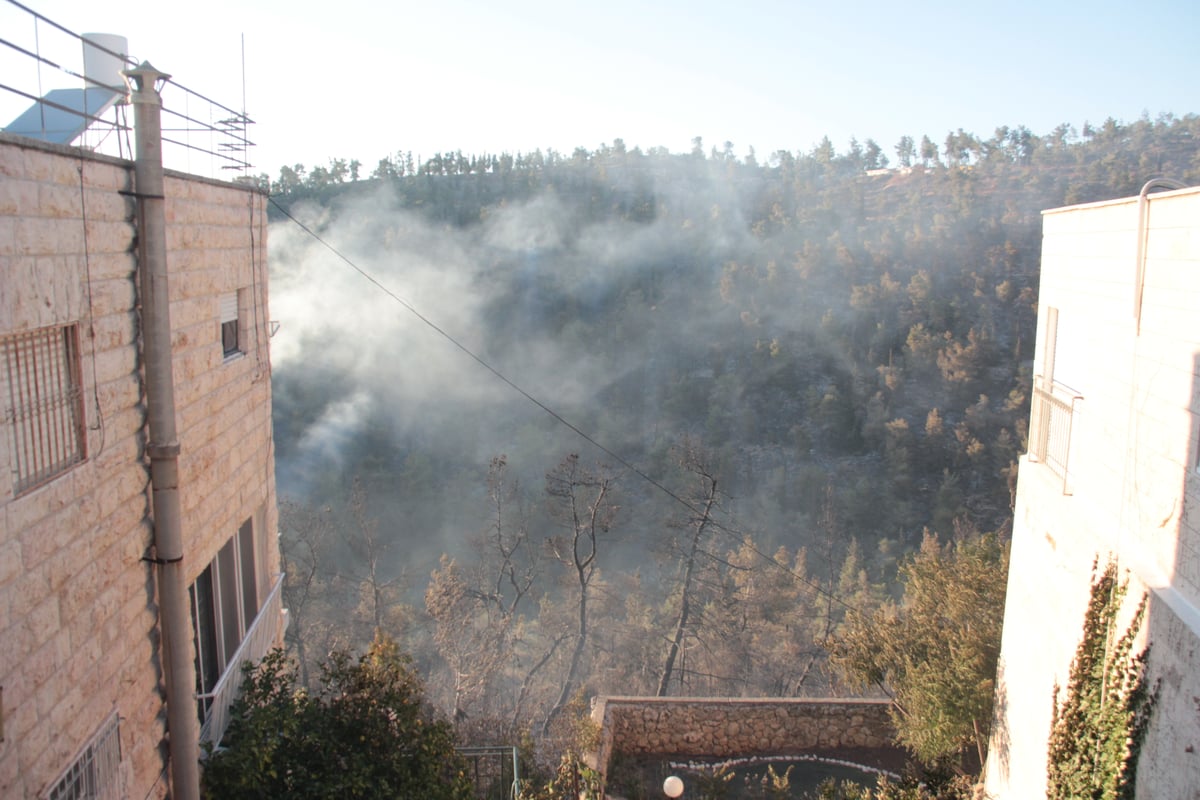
x=1113 y=472
x=80 y=642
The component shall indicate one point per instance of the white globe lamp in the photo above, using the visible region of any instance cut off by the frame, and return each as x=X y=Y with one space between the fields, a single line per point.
x=673 y=787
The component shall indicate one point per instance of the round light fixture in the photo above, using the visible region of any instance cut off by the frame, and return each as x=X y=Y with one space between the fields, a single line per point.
x=673 y=787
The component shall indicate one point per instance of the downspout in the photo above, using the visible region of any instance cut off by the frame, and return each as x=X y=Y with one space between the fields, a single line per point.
x=1143 y=212
x=163 y=444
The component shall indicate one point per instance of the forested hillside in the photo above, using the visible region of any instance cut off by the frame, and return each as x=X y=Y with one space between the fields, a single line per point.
x=798 y=364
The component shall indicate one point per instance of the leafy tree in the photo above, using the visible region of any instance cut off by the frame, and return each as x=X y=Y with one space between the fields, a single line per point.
x=873 y=155
x=1098 y=729
x=929 y=151
x=365 y=733
x=935 y=651
x=572 y=780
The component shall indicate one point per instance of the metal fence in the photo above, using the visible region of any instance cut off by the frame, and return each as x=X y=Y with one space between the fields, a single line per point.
x=494 y=771
x=56 y=85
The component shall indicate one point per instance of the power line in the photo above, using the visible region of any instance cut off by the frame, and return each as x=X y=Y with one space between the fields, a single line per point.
x=737 y=535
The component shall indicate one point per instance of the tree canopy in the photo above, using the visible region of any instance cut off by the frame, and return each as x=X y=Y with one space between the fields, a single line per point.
x=365 y=733
x=935 y=651
x=850 y=342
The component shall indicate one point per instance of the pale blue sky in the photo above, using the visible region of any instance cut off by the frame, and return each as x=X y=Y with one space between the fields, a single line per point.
x=358 y=79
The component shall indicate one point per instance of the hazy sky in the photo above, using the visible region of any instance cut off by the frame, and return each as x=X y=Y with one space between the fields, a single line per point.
x=358 y=79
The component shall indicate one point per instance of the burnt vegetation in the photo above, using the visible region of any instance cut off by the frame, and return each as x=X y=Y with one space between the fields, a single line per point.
x=821 y=358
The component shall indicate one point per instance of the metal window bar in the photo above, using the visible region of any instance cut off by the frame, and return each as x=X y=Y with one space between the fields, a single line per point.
x=495 y=771
x=257 y=643
x=1050 y=440
x=95 y=774
x=45 y=403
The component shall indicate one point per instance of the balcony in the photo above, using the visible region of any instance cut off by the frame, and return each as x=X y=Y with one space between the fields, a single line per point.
x=1050 y=427
x=267 y=629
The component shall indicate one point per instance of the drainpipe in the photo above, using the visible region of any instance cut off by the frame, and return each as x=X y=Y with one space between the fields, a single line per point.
x=163 y=445
x=1143 y=212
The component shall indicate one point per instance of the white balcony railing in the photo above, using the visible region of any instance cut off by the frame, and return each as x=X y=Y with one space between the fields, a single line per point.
x=260 y=638
x=1050 y=434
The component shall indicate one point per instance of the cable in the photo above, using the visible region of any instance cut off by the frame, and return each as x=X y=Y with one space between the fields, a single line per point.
x=87 y=266
x=738 y=535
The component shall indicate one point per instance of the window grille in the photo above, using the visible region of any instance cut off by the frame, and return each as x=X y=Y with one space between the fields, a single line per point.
x=95 y=772
x=41 y=377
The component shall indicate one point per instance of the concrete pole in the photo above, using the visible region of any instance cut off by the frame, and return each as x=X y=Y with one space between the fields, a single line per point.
x=163 y=446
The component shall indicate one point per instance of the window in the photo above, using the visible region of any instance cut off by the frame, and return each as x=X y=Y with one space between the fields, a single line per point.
x=1065 y=361
x=225 y=601
x=95 y=772
x=40 y=386
x=1053 y=404
x=230 y=335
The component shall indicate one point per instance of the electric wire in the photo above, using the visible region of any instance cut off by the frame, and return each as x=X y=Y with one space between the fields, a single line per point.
x=735 y=534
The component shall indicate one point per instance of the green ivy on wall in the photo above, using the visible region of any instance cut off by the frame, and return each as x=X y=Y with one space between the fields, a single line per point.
x=1099 y=727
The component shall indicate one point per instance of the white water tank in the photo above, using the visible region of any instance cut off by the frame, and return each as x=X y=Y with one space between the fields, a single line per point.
x=100 y=67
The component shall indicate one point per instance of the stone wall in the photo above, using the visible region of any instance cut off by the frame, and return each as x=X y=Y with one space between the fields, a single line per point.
x=713 y=727
x=78 y=612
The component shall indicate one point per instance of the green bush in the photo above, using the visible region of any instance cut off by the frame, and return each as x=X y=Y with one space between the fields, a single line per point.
x=367 y=733
x=1098 y=728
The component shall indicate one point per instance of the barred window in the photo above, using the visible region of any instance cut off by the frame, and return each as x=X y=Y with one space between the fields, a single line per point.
x=95 y=772
x=40 y=386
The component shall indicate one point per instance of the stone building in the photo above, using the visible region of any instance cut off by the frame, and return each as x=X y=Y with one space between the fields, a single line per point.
x=84 y=686
x=1113 y=472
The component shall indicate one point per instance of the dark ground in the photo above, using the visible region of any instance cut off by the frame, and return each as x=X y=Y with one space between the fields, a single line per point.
x=641 y=778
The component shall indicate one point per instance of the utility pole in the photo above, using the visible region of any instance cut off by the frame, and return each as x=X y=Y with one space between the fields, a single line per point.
x=163 y=444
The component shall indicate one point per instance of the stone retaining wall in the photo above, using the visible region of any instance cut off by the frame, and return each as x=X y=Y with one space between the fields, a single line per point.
x=714 y=727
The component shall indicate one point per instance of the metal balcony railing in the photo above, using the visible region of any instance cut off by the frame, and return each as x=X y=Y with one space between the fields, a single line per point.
x=1050 y=434
x=260 y=638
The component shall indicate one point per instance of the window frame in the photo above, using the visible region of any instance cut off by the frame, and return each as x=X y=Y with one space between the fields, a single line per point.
x=221 y=602
x=232 y=345
x=41 y=388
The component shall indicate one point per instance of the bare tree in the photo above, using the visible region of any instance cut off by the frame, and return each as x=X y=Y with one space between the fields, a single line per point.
x=477 y=606
x=470 y=634
x=697 y=462
x=375 y=591
x=305 y=534
x=582 y=501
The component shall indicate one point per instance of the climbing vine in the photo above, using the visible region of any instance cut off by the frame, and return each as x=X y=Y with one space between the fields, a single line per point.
x=1098 y=728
